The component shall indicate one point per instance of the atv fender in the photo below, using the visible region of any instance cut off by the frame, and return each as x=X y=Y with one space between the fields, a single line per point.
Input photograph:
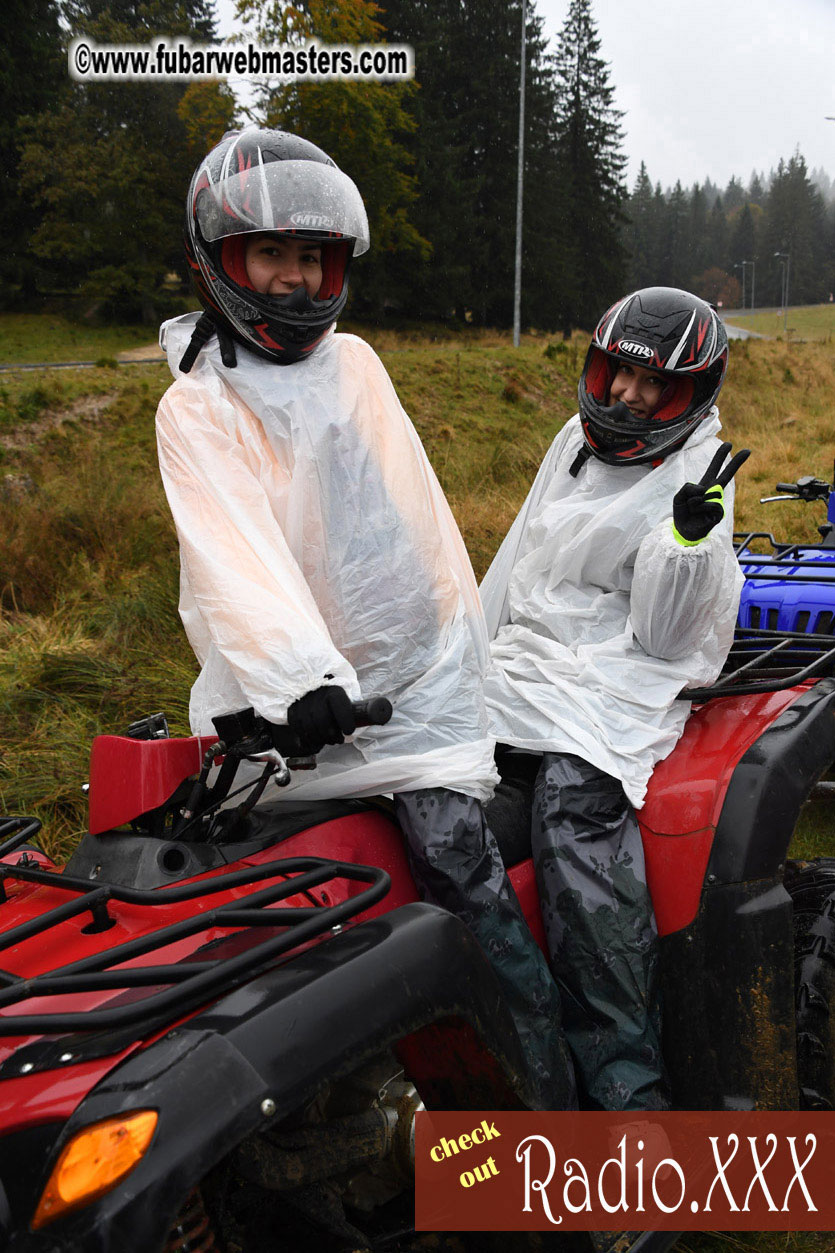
x=770 y=784
x=267 y=1048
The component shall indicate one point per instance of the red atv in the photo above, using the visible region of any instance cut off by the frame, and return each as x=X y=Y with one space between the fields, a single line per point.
x=219 y=1019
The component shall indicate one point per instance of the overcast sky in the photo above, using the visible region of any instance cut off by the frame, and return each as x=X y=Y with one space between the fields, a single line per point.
x=712 y=88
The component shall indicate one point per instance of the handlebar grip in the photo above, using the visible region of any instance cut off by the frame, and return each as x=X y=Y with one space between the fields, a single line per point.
x=374 y=712
x=785 y=487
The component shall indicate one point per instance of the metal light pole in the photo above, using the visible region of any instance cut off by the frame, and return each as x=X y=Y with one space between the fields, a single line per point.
x=782 y=286
x=782 y=280
x=517 y=284
x=785 y=260
x=753 y=277
x=741 y=266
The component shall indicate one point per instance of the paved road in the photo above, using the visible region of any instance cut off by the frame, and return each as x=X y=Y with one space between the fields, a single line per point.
x=149 y=354
x=739 y=332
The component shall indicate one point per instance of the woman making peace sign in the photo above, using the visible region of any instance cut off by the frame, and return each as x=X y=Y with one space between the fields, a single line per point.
x=616 y=587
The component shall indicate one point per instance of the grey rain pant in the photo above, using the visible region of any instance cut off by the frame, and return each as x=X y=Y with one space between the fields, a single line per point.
x=602 y=937
x=456 y=864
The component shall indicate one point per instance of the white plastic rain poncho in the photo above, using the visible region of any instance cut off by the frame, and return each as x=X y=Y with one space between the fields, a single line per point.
x=599 y=618
x=317 y=547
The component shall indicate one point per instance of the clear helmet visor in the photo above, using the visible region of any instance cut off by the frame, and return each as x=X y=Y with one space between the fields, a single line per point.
x=281 y=196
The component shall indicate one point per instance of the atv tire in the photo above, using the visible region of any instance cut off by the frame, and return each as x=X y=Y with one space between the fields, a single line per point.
x=811 y=885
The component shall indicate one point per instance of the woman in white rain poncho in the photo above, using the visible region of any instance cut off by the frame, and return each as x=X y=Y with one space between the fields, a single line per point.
x=319 y=558
x=615 y=588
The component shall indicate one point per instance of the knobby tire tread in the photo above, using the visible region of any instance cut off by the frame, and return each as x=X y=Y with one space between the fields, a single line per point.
x=811 y=886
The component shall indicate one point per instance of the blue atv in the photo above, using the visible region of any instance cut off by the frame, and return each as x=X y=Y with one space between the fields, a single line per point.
x=790 y=587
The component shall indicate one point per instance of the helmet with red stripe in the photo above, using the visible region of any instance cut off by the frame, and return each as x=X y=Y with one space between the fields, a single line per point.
x=258 y=180
x=679 y=338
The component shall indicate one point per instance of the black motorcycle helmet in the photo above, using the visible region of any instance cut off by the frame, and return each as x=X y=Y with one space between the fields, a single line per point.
x=672 y=333
x=267 y=180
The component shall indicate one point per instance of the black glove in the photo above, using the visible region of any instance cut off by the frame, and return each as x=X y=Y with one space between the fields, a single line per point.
x=698 y=507
x=322 y=717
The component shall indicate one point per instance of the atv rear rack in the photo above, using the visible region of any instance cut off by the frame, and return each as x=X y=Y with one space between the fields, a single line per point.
x=802 y=563
x=769 y=661
x=190 y=982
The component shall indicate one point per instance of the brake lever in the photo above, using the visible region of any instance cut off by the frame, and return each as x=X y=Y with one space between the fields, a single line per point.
x=272 y=756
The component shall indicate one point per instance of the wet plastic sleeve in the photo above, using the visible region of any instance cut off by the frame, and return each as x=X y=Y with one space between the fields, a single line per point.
x=684 y=601
x=249 y=592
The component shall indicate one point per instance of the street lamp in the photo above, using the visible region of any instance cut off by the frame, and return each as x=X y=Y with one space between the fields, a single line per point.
x=741 y=266
x=784 y=262
x=517 y=284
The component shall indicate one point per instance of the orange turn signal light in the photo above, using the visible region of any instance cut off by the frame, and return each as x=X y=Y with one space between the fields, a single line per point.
x=93 y=1162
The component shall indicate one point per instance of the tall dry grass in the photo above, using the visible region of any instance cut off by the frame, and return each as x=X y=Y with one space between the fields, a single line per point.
x=89 y=633
x=487 y=417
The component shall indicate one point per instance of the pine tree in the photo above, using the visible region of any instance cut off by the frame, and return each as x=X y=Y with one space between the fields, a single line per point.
x=466 y=147
x=675 y=246
x=756 y=189
x=711 y=193
x=717 y=234
x=696 y=247
x=829 y=267
x=825 y=185
x=110 y=166
x=742 y=246
x=448 y=178
x=641 y=233
x=795 y=218
x=734 y=196
x=589 y=152
x=194 y=18
x=32 y=76
x=545 y=273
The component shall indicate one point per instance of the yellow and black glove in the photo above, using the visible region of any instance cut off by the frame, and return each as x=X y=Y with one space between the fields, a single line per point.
x=698 y=507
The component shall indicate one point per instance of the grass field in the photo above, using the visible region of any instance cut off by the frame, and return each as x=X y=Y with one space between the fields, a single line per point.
x=89 y=633
x=33 y=337
x=30 y=337
x=806 y=322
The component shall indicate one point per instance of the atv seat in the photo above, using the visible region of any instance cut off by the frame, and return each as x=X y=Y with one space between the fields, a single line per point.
x=723 y=803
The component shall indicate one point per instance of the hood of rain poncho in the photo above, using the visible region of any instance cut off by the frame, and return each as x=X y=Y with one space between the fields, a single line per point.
x=599 y=618
x=317 y=546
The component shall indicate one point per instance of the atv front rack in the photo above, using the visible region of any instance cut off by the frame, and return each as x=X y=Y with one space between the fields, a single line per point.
x=189 y=983
x=769 y=661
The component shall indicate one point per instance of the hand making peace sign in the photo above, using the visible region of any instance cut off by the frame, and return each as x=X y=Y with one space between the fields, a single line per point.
x=698 y=507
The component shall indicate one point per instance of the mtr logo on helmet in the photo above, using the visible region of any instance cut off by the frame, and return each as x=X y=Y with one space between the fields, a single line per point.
x=314 y=221
x=632 y=349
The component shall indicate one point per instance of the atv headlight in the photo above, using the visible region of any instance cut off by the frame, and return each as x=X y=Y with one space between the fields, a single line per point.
x=93 y=1162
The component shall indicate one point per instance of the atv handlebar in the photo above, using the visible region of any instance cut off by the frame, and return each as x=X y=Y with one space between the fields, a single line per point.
x=243 y=735
x=246 y=734
x=374 y=712
x=807 y=488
